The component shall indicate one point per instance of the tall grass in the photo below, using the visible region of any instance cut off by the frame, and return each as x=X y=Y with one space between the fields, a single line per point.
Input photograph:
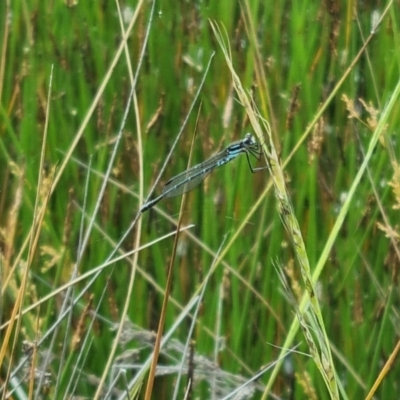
x=84 y=275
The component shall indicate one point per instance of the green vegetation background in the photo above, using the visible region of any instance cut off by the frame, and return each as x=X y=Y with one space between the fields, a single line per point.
x=306 y=48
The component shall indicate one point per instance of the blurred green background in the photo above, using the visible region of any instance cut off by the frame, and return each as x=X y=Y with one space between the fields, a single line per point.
x=306 y=47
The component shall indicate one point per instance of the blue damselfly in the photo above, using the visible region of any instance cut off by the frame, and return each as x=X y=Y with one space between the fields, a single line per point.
x=189 y=179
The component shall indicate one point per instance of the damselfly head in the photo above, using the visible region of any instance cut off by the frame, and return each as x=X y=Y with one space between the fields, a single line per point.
x=249 y=139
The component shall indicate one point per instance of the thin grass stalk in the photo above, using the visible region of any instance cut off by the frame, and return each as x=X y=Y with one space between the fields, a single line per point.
x=135 y=384
x=160 y=330
x=385 y=370
x=322 y=357
x=340 y=220
x=132 y=276
x=37 y=225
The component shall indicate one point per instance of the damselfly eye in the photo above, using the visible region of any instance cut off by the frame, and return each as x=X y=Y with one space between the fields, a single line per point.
x=249 y=139
x=252 y=140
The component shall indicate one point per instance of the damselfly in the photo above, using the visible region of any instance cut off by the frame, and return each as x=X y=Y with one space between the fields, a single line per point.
x=192 y=177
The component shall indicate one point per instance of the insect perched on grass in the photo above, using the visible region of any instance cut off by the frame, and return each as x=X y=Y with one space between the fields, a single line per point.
x=189 y=179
